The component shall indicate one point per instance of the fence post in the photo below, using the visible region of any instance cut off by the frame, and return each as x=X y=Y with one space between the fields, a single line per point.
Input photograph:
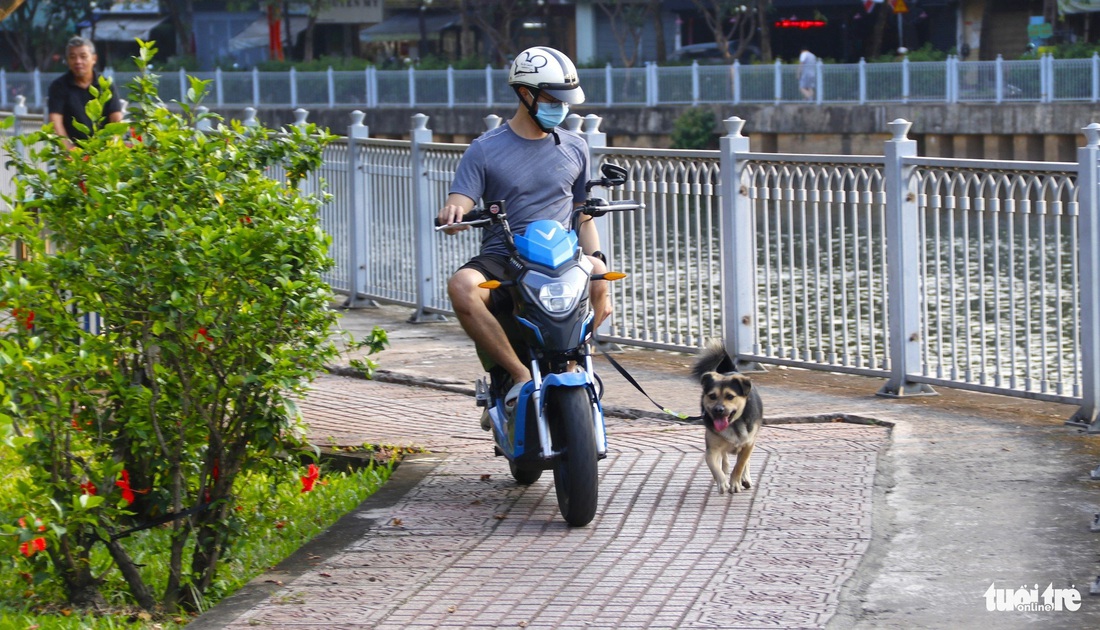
x=250 y=117
x=4 y=88
x=596 y=139
x=218 y=91
x=999 y=79
x=492 y=121
x=331 y=80
x=862 y=80
x=737 y=258
x=695 y=82
x=488 y=85
x=423 y=223
x=902 y=265
x=37 y=88
x=202 y=121
x=819 y=81
x=1095 y=67
x=450 y=87
x=412 y=86
x=255 y=87
x=1088 y=255
x=778 y=81
x=905 y=79
x=951 y=78
x=608 y=98
x=293 y=78
x=181 y=76
x=736 y=82
x=358 y=223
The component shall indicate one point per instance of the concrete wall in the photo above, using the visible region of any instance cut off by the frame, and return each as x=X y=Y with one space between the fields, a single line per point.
x=1049 y=132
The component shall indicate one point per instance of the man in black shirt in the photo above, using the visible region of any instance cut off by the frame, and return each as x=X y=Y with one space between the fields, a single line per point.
x=69 y=93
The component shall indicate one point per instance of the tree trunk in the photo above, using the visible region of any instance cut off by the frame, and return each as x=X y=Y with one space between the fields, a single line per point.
x=130 y=572
x=307 y=44
x=879 y=31
x=762 y=9
x=658 y=30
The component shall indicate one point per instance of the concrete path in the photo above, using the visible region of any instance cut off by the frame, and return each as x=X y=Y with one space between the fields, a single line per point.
x=903 y=524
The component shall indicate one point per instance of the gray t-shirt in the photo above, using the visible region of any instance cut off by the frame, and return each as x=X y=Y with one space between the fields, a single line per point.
x=537 y=179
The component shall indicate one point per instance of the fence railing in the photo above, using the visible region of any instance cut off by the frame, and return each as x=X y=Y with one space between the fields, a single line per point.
x=1042 y=80
x=981 y=275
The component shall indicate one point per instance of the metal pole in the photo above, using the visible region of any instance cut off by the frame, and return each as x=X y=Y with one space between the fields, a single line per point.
x=1088 y=253
x=358 y=226
x=738 y=259
x=423 y=220
x=902 y=265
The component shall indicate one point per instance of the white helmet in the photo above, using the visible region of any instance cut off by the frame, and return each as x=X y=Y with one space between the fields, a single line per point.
x=547 y=70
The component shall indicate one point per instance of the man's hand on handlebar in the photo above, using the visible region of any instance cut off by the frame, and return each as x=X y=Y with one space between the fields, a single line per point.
x=452 y=211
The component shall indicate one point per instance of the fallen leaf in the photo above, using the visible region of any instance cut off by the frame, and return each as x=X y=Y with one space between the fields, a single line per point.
x=325 y=574
x=500 y=517
x=397 y=522
x=485 y=477
x=275 y=582
x=451 y=609
x=523 y=624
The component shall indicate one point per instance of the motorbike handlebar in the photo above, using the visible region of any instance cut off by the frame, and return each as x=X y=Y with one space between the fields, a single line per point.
x=474 y=218
x=600 y=207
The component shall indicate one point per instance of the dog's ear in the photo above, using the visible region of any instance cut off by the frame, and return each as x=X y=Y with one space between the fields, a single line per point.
x=742 y=384
x=708 y=379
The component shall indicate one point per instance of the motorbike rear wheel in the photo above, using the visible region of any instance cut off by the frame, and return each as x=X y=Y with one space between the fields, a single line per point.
x=576 y=480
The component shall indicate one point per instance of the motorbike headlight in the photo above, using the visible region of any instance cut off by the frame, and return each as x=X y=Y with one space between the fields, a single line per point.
x=557 y=297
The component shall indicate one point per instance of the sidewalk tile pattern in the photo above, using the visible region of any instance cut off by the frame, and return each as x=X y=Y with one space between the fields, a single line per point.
x=469 y=548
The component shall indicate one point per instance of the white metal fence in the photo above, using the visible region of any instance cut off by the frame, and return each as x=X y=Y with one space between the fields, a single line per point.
x=1040 y=80
x=975 y=274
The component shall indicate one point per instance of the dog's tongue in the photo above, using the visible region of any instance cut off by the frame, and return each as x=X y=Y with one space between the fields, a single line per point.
x=720 y=424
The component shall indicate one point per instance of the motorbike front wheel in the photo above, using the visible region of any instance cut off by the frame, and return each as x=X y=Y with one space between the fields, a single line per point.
x=576 y=480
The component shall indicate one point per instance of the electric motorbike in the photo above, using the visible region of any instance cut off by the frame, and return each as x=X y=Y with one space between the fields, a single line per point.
x=557 y=421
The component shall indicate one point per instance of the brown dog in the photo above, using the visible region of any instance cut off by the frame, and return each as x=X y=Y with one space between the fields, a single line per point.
x=732 y=413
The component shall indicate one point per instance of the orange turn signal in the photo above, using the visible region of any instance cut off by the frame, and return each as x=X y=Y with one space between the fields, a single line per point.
x=614 y=275
x=490 y=284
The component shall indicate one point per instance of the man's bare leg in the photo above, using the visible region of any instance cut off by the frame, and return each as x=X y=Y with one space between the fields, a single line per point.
x=471 y=304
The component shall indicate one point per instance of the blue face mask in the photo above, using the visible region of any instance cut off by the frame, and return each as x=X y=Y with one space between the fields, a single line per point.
x=550 y=115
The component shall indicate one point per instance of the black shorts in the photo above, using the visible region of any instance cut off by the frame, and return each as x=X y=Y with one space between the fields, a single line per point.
x=492 y=267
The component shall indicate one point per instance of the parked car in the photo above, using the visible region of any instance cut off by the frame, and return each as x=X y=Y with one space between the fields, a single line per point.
x=708 y=53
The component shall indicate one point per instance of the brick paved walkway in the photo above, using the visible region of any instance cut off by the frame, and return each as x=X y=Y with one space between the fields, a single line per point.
x=467 y=547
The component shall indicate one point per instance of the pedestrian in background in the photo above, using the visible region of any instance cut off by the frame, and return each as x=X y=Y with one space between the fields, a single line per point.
x=807 y=74
x=70 y=93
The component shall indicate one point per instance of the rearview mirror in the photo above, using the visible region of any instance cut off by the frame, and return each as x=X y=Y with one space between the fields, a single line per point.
x=613 y=175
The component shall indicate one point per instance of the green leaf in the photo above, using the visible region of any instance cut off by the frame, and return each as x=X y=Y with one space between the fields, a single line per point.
x=87 y=501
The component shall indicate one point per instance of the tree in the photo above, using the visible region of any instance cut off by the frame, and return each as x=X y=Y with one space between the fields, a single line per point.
x=495 y=19
x=729 y=21
x=182 y=15
x=627 y=22
x=658 y=30
x=763 y=11
x=38 y=30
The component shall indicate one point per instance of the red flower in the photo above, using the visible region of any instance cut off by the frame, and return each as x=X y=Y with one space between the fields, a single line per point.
x=24 y=317
x=29 y=548
x=124 y=485
x=202 y=337
x=89 y=487
x=310 y=478
x=22 y=522
x=83 y=186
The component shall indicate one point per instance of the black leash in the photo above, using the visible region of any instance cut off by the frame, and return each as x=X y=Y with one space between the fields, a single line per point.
x=160 y=520
x=630 y=379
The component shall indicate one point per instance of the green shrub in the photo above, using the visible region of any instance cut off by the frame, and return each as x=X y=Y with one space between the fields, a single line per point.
x=695 y=129
x=207 y=274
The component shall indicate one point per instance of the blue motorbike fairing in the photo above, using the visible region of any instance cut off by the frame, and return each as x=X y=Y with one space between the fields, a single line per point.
x=547 y=243
x=515 y=444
